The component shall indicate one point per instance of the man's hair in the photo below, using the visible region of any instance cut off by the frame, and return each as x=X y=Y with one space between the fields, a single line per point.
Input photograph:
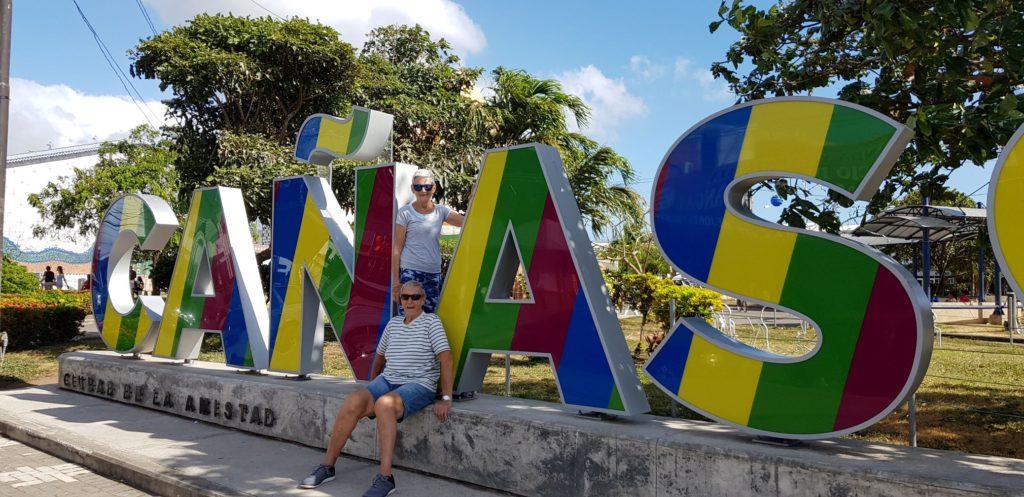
x=423 y=173
x=414 y=284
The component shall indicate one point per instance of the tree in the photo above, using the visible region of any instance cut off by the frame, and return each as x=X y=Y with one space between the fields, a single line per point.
x=255 y=76
x=637 y=291
x=143 y=163
x=589 y=167
x=423 y=84
x=951 y=70
x=17 y=279
x=522 y=108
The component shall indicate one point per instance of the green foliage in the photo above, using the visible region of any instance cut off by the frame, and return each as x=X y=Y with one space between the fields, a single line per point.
x=690 y=301
x=35 y=320
x=140 y=163
x=951 y=70
x=524 y=109
x=590 y=167
x=637 y=291
x=17 y=279
x=424 y=85
x=633 y=250
x=245 y=75
x=250 y=163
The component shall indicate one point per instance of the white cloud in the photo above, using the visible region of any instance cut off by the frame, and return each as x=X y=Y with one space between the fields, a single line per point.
x=57 y=115
x=610 y=101
x=353 y=18
x=712 y=90
x=641 y=66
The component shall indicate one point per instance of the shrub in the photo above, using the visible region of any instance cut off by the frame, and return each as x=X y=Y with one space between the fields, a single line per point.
x=17 y=279
x=690 y=301
x=637 y=291
x=40 y=319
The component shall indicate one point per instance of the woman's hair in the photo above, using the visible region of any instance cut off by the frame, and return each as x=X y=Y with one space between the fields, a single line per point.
x=423 y=173
x=60 y=269
x=415 y=284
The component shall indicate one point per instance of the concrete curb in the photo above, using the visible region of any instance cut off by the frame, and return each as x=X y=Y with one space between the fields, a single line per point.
x=111 y=463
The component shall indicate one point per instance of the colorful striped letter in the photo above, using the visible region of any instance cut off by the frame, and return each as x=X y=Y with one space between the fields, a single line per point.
x=873 y=320
x=361 y=137
x=313 y=260
x=215 y=287
x=146 y=221
x=1006 y=203
x=570 y=321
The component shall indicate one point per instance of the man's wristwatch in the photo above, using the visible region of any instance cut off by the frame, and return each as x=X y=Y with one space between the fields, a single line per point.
x=446 y=397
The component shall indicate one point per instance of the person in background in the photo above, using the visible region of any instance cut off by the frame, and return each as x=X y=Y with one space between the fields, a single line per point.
x=62 y=281
x=85 y=284
x=417 y=252
x=413 y=354
x=48 y=279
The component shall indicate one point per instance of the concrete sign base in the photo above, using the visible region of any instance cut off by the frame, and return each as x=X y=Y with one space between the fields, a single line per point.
x=541 y=449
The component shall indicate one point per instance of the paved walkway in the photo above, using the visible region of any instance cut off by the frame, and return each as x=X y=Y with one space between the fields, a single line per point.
x=25 y=471
x=201 y=454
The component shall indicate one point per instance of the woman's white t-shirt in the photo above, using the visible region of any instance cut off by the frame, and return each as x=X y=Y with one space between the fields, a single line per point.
x=422 y=249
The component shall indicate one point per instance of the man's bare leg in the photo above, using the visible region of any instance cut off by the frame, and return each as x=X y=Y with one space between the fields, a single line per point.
x=357 y=405
x=387 y=409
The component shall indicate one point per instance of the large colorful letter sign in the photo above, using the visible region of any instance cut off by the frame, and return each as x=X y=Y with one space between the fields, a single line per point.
x=523 y=197
x=313 y=262
x=128 y=325
x=873 y=320
x=1006 y=204
x=215 y=286
x=361 y=137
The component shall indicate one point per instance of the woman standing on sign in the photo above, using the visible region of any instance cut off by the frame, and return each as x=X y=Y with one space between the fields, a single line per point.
x=417 y=252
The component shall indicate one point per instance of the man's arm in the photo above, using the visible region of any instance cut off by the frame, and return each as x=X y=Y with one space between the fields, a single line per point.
x=378 y=365
x=445 y=358
x=441 y=408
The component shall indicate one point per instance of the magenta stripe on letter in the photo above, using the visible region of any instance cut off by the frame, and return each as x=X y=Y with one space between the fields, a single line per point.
x=884 y=355
x=544 y=325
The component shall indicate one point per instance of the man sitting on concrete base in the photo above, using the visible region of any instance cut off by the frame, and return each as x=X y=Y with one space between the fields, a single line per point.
x=413 y=352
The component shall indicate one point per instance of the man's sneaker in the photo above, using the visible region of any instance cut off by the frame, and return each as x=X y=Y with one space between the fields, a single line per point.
x=382 y=486
x=322 y=474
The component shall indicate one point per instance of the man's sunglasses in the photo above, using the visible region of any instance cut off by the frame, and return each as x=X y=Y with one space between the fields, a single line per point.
x=423 y=188
x=412 y=296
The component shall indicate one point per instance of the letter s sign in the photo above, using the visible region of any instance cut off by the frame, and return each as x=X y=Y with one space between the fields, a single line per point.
x=1006 y=203
x=873 y=320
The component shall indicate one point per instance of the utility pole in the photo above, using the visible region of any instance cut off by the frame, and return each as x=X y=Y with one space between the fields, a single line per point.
x=5 y=103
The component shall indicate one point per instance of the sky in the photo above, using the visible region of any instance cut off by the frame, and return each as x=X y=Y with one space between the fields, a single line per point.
x=643 y=67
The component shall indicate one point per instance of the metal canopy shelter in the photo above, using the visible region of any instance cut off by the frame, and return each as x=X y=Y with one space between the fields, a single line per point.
x=927 y=224
x=912 y=223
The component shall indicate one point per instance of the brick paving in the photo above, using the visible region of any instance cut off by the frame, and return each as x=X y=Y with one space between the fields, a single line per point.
x=25 y=471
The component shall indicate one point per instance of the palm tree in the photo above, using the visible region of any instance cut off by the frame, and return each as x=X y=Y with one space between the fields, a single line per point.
x=521 y=108
x=590 y=167
x=525 y=109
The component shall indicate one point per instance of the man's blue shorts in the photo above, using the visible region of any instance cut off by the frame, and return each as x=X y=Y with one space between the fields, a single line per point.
x=414 y=396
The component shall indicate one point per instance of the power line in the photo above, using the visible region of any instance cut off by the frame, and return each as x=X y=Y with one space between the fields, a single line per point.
x=254 y=2
x=121 y=76
x=145 y=14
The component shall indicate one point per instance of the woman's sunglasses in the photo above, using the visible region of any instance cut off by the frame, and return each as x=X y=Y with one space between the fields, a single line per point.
x=423 y=188
x=412 y=296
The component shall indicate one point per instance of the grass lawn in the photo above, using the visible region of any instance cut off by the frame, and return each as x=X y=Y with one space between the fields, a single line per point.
x=972 y=399
x=39 y=366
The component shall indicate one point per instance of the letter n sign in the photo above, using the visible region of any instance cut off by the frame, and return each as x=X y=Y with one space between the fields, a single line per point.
x=315 y=254
x=523 y=211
